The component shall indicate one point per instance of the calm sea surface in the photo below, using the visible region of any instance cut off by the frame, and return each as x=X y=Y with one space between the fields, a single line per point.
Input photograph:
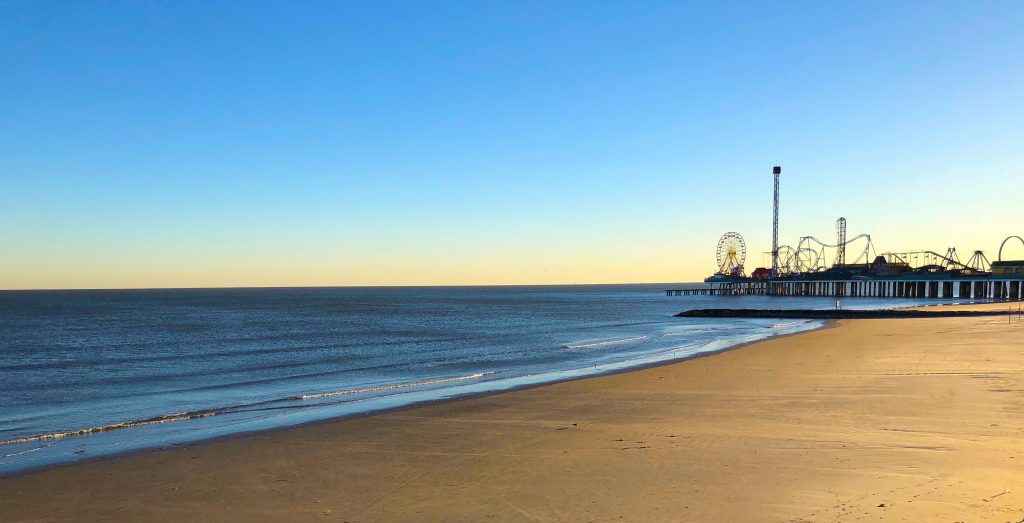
x=90 y=373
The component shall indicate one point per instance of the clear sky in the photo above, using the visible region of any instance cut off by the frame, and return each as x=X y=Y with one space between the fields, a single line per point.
x=171 y=144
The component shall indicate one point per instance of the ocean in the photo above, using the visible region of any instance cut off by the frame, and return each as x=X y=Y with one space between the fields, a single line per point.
x=85 y=374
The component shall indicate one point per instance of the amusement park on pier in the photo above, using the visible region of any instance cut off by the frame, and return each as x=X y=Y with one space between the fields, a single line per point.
x=850 y=266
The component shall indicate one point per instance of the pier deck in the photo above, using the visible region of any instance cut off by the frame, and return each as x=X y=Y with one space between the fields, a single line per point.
x=948 y=288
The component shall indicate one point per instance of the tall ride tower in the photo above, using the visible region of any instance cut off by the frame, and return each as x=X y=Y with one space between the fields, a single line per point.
x=775 y=224
x=841 y=241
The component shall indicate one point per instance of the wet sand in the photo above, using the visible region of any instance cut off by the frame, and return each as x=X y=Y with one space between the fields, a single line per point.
x=896 y=420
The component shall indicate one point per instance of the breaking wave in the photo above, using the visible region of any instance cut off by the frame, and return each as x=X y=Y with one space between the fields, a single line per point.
x=603 y=343
x=206 y=413
x=785 y=324
x=391 y=387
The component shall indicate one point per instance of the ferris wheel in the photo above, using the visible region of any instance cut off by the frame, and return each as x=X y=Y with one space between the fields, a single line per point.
x=731 y=254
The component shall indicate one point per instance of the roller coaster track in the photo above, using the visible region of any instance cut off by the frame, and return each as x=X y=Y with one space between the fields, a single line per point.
x=809 y=256
x=909 y=257
x=865 y=254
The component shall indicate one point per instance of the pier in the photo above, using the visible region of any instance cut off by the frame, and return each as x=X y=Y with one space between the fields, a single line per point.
x=947 y=288
x=815 y=267
x=738 y=289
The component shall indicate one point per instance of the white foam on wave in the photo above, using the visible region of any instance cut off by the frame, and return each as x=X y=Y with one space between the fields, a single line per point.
x=113 y=426
x=205 y=413
x=24 y=451
x=391 y=387
x=603 y=343
x=784 y=325
x=691 y=332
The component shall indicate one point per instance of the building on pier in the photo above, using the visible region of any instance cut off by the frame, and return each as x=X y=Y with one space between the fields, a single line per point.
x=1007 y=268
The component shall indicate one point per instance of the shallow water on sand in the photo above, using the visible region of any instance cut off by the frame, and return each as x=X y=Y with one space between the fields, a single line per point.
x=91 y=373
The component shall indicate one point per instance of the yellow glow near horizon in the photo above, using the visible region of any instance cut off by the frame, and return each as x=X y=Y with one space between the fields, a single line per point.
x=645 y=259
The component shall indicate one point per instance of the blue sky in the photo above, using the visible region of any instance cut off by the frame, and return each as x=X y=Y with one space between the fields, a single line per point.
x=343 y=143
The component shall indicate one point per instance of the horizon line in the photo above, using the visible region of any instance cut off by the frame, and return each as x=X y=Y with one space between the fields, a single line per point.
x=396 y=286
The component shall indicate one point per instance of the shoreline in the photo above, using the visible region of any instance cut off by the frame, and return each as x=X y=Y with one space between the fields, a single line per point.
x=828 y=323
x=134 y=478
x=827 y=317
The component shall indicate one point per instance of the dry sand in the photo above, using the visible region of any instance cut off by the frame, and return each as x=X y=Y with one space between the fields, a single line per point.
x=896 y=420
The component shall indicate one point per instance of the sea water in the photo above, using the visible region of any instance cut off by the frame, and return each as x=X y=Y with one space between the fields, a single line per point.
x=85 y=374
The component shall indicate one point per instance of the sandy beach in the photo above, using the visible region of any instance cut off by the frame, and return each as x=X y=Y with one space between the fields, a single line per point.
x=894 y=420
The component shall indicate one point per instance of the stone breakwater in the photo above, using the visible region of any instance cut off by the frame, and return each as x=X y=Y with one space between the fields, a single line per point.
x=832 y=314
